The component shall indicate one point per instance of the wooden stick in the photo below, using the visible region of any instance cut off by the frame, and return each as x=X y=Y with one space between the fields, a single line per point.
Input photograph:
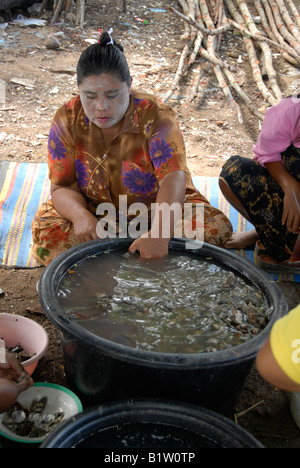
x=57 y=12
x=226 y=90
x=197 y=47
x=249 y=46
x=81 y=13
x=212 y=58
x=212 y=6
x=195 y=87
x=185 y=8
x=69 y=6
x=219 y=16
x=43 y=6
x=217 y=70
x=196 y=51
x=288 y=20
x=179 y=73
x=256 y=37
x=192 y=46
x=242 y=413
x=209 y=32
x=242 y=94
x=294 y=12
x=270 y=28
x=253 y=29
x=282 y=28
x=264 y=20
x=233 y=82
x=265 y=49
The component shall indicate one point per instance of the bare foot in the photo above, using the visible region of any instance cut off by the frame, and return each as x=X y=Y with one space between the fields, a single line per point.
x=242 y=240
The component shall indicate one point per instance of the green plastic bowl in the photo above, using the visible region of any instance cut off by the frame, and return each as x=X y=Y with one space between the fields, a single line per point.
x=59 y=399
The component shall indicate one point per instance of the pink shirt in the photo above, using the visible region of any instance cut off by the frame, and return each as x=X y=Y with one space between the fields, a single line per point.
x=281 y=128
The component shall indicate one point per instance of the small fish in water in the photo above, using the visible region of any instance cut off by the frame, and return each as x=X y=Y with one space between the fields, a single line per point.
x=230 y=280
x=182 y=304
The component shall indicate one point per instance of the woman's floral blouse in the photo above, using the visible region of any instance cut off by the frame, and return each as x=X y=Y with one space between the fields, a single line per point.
x=149 y=147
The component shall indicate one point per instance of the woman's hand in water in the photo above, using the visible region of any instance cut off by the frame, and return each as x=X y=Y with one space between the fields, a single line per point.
x=150 y=247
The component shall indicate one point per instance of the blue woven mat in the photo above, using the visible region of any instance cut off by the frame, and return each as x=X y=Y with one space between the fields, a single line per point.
x=23 y=188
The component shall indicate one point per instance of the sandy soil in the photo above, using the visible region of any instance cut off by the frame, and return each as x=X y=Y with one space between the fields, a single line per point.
x=37 y=80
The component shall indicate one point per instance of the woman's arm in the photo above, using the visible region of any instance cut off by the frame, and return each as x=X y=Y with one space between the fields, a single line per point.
x=269 y=369
x=291 y=189
x=155 y=243
x=71 y=204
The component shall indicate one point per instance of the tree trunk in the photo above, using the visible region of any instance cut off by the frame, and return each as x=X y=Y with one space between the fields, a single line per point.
x=10 y=4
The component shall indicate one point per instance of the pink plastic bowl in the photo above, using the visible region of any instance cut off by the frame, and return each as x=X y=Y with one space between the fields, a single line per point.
x=17 y=330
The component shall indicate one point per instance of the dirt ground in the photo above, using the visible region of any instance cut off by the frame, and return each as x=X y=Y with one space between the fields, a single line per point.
x=37 y=80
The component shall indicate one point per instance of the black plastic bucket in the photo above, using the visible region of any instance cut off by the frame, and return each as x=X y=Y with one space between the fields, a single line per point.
x=151 y=424
x=100 y=370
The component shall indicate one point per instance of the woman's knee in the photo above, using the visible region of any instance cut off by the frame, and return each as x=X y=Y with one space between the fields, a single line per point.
x=218 y=228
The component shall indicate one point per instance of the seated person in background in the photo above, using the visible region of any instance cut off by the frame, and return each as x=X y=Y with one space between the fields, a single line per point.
x=266 y=190
x=111 y=141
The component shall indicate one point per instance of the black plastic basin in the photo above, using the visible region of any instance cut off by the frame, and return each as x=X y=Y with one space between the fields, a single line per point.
x=100 y=370
x=151 y=424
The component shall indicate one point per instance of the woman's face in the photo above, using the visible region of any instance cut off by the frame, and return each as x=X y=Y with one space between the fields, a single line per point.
x=105 y=99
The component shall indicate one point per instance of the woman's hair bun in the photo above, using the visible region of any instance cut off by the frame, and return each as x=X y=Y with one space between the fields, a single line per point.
x=105 y=56
x=107 y=40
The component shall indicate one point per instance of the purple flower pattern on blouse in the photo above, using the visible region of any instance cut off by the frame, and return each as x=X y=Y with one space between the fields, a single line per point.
x=139 y=182
x=160 y=151
x=55 y=146
x=82 y=173
x=138 y=101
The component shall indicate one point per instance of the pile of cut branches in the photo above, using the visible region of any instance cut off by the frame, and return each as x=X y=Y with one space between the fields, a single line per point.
x=207 y=20
x=67 y=7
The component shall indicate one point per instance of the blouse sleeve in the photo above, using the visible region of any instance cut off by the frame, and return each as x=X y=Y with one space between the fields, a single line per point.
x=61 y=150
x=165 y=145
x=278 y=131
